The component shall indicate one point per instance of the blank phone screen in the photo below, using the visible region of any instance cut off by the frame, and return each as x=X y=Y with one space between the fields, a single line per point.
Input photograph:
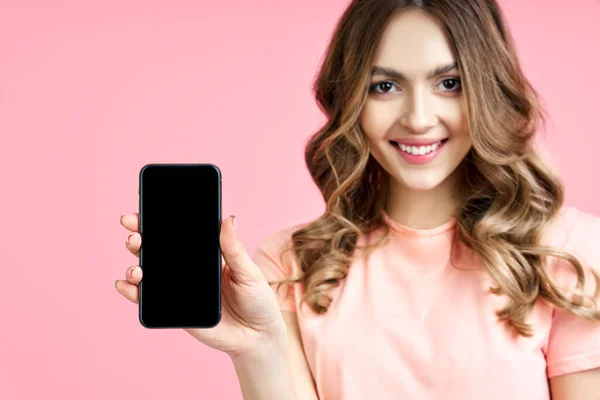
x=180 y=219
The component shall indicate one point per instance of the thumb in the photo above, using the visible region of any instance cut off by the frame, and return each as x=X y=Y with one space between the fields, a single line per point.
x=240 y=263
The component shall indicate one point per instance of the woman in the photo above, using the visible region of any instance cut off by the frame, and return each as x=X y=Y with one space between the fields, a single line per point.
x=445 y=265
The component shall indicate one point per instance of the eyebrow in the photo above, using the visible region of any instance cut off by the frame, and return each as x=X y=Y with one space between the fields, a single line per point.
x=392 y=73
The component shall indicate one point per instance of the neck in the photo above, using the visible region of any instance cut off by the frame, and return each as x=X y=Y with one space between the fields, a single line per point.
x=423 y=209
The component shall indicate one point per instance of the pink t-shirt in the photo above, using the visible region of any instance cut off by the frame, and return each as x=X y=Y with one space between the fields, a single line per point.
x=416 y=321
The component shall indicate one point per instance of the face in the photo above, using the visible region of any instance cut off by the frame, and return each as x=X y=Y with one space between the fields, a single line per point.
x=414 y=117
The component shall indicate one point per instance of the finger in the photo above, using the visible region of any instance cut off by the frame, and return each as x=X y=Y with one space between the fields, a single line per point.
x=133 y=242
x=134 y=274
x=131 y=221
x=129 y=291
x=236 y=257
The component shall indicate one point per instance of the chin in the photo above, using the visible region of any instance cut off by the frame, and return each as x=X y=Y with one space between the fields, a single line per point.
x=424 y=187
x=419 y=183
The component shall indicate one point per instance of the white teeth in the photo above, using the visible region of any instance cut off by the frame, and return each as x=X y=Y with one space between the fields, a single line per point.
x=419 y=150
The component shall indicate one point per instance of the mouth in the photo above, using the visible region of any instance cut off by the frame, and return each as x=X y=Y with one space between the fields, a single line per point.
x=418 y=150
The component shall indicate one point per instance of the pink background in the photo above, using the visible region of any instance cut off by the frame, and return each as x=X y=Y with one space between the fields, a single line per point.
x=91 y=91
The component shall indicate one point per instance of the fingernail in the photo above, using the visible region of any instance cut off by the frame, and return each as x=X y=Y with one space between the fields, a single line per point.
x=130 y=272
x=129 y=238
x=234 y=222
x=116 y=280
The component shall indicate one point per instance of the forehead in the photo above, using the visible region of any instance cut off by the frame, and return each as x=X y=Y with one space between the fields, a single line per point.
x=414 y=44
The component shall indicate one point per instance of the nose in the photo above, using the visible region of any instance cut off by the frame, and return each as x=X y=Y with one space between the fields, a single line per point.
x=418 y=116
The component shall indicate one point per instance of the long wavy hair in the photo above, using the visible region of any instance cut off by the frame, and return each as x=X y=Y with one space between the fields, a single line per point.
x=511 y=195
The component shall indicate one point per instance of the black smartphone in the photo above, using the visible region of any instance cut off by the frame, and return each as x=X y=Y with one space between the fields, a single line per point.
x=180 y=255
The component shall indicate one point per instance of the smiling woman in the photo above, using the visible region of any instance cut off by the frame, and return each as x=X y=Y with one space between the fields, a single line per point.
x=445 y=265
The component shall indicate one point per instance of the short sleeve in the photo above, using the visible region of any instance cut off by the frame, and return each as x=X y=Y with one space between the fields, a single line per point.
x=276 y=263
x=574 y=341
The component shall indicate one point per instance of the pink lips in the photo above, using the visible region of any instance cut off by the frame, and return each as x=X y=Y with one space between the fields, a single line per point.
x=418 y=141
x=418 y=159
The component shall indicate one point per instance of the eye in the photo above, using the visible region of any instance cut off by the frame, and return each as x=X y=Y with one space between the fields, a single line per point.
x=450 y=84
x=385 y=87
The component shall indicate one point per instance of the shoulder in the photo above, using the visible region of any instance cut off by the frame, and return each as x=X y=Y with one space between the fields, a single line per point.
x=574 y=230
x=279 y=240
x=573 y=344
x=577 y=233
x=276 y=250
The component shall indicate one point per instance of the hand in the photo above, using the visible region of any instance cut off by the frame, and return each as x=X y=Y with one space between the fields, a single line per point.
x=250 y=312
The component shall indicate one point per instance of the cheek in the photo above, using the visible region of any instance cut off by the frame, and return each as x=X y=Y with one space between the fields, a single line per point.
x=376 y=120
x=458 y=130
x=455 y=119
x=375 y=126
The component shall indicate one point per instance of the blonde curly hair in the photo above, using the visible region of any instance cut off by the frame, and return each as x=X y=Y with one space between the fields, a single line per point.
x=511 y=195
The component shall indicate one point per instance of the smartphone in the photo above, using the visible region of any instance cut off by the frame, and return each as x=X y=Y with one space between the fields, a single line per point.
x=180 y=255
